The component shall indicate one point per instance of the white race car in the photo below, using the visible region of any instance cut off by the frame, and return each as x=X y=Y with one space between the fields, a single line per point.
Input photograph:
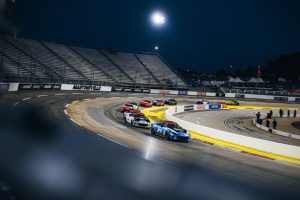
x=202 y=101
x=137 y=120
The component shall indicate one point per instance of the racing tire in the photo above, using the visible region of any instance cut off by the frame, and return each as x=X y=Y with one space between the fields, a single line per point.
x=166 y=136
x=152 y=131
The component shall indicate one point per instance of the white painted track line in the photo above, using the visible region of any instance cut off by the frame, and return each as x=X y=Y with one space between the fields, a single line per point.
x=25 y=99
x=59 y=94
x=75 y=122
x=113 y=140
x=42 y=95
x=15 y=104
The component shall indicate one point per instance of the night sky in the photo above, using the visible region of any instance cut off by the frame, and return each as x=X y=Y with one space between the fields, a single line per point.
x=199 y=34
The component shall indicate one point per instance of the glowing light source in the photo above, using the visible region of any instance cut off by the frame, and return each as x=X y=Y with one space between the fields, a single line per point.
x=158 y=18
x=156 y=48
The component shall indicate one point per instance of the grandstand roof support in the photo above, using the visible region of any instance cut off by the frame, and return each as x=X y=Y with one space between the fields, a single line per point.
x=32 y=58
x=63 y=60
x=79 y=54
x=115 y=64
x=149 y=71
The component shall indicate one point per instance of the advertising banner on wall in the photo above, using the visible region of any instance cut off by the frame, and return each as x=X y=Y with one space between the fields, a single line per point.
x=200 y=107
x=127 y=90
x=201 y=94
x=86 y=87
x=189 y=108
x=13 y=87
x=239 y=96
x=215 y=106
x=281 y=98
x=4 y=87
x=145 y=90
x=164 y=92
x=182 y=92
x=117 y=89
x=192 y=93
x=39 y=86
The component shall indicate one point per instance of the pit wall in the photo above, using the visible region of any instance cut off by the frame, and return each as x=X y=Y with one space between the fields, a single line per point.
x=248 y=144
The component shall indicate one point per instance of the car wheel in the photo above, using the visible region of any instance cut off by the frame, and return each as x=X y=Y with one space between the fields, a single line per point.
x=152 y=131
x=167 y=136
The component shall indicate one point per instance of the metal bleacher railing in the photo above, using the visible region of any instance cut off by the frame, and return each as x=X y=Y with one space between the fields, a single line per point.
x=32 y=61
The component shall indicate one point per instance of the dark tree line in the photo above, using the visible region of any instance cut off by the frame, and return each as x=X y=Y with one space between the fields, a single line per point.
x=286 y=66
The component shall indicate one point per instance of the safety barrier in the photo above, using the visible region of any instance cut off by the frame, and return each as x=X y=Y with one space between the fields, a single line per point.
x=252 y=145
x=275 y=131
x=264 y=97
x=86 y=87
x=15 y=87
x=9 y=87
x=187 y=93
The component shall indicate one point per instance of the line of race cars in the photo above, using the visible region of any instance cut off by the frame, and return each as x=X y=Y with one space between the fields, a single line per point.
x=231 y=103
x=166 y=129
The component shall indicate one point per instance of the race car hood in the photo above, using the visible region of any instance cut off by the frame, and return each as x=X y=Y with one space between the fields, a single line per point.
x=179 y=130
x=143 y=121
x=183 y=134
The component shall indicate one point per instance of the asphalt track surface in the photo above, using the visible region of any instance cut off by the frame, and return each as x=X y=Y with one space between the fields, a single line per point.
x=45 y=155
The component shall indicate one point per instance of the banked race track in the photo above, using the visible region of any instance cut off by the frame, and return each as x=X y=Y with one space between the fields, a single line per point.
x=76 y=145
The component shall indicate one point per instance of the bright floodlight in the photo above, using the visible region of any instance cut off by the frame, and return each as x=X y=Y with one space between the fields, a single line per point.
x=156 y=47
x=158 y=18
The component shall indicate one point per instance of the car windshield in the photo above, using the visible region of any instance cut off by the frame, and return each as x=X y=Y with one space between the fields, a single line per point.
x=141 y=119
x=172 y=126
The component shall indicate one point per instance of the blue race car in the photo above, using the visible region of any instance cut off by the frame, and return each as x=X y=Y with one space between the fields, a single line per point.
x=171 y=131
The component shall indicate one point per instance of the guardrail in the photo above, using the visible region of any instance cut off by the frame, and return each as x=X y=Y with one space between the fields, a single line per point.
x=262 y=147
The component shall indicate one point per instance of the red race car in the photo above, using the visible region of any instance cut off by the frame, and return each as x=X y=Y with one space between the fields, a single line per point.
x=126 y=107
x=145 y=103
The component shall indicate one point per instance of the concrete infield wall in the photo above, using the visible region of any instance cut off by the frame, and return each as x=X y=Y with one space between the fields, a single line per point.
x=253 y=143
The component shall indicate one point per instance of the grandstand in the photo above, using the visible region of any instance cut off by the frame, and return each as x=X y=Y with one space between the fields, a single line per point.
x=26 y=60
